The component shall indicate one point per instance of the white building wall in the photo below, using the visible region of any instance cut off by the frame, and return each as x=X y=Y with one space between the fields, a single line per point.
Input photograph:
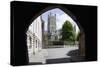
x=36 y=31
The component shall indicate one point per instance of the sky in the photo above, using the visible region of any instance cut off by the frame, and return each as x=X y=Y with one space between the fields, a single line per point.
x=61 y=17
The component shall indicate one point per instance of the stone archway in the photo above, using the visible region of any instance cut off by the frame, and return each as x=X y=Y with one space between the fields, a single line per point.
x=82 y=33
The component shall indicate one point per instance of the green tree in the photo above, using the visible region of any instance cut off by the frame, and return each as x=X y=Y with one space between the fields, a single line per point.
x=67 y=31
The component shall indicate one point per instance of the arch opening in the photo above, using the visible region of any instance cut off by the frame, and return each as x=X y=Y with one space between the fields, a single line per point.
x=58 y=29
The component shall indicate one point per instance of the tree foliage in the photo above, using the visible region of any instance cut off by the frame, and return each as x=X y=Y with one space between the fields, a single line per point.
x=68 y=34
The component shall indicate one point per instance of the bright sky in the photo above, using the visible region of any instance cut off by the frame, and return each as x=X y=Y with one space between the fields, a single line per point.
x=61 y=17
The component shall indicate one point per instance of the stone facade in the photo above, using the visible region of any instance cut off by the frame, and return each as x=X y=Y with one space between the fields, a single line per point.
x=51 y=27
x=34 y=36
x=35 y=42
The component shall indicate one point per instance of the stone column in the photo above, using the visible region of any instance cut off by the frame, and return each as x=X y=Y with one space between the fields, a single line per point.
x=82 y=44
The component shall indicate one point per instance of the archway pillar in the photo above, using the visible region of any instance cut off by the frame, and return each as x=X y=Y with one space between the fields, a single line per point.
x=82 y=44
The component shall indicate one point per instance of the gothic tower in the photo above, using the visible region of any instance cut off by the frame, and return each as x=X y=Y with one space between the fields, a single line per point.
x=51 y=27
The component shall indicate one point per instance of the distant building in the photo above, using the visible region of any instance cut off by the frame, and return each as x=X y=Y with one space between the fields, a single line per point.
x=51 y=27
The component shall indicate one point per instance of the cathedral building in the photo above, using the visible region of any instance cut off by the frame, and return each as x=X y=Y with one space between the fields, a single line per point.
x=51 y=27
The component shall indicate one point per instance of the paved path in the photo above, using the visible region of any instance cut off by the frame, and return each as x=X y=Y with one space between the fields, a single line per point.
x=39 y=57
x=51 y=54
x=54 y=53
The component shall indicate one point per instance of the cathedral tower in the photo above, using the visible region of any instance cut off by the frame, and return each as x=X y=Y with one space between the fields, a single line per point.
x=51 y=27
